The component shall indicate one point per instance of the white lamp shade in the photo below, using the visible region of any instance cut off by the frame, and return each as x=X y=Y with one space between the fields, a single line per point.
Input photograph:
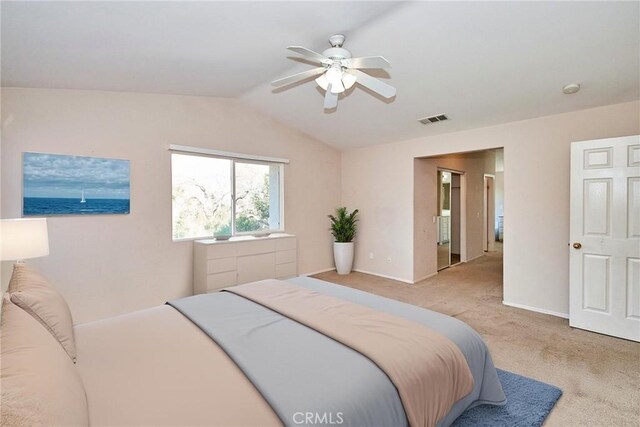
x=347 y=80
x=23 y=238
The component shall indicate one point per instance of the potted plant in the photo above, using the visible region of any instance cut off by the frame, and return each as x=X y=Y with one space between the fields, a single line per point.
x=343 y=228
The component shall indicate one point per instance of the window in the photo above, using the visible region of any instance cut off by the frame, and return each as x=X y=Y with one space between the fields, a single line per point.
x=215 y=195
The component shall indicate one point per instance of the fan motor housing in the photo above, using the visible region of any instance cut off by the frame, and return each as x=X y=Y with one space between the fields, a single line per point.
x=337 y=53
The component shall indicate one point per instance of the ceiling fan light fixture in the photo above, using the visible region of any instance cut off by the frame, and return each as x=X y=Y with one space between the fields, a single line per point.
x=322 y=81
x=339 y=71
x=348 y=80
x=337 y=87
x=334 y=77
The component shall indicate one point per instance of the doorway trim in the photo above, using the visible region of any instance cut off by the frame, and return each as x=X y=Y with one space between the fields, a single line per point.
x=488 y=244
x=463 y=211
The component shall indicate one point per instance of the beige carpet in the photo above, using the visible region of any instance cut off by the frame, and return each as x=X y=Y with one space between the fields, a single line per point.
x=599 y=375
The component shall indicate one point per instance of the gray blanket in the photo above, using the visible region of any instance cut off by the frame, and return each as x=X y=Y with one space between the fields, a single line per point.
x=309 y=378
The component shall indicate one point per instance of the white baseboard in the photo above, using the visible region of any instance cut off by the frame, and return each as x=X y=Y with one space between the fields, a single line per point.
x=424 y=277
x=536 y=309
x=384 y=276
x=317 y=272
x=475 y=257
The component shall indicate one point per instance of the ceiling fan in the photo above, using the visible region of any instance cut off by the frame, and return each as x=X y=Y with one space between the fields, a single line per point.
x=339 y=71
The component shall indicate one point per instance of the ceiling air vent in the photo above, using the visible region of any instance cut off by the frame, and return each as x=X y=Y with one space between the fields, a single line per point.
x=433 y=119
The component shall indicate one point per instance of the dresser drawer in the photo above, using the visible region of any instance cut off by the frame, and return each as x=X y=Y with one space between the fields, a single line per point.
x=256 y=267
x=221 y=265
x=286 y=271
x=221 y=250
x=284 y=257
x=285 y=243
x=255 y=247
x=221 y=280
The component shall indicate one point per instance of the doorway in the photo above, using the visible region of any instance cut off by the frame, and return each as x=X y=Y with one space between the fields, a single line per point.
x=448 y=220
x=448 y=223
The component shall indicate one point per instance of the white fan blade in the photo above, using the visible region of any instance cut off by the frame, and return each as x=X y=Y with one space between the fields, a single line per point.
x=330 y=99
x=366 y=62
x=298 y=77
x=374 y=84
x=310 y=55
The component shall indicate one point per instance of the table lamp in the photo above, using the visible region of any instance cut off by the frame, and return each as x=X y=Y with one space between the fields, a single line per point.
x=23 y=238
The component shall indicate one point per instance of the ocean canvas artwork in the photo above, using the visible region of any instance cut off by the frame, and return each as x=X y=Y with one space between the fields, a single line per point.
x=56 y=184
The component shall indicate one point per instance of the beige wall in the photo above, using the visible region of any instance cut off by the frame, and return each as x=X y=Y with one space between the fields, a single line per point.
x=379 y=180
x=114 y=264
x=106 y=265
x=425 y=186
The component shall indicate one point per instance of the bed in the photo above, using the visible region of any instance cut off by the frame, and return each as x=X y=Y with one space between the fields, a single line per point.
x=225 y=360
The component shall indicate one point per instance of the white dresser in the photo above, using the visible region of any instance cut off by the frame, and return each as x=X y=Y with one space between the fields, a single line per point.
x=219 y=264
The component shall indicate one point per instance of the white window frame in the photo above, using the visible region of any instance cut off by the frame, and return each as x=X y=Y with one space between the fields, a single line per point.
x=241 y=158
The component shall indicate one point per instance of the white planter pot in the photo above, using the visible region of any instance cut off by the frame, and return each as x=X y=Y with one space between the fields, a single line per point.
x=343 y=257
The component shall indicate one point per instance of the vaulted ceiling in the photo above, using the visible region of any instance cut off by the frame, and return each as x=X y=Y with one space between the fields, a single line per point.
x=481 y=63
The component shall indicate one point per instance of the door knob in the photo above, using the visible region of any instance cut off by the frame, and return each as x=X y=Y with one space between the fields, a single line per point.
x=577 y=245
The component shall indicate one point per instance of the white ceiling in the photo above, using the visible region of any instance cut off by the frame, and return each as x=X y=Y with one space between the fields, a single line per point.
x=481 y=63
x=179 y=47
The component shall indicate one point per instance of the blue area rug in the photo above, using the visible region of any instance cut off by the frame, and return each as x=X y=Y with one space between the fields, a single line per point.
x=529 y=402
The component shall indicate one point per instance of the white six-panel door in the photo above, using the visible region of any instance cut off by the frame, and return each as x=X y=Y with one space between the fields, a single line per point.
x=605 y=236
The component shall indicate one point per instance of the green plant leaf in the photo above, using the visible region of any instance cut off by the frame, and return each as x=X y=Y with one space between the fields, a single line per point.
x=344 y=225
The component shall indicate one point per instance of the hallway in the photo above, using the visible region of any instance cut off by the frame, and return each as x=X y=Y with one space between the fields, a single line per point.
x=544 y=347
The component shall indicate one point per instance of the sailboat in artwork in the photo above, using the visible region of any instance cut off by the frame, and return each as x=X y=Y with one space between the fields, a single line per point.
x=83 y=200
